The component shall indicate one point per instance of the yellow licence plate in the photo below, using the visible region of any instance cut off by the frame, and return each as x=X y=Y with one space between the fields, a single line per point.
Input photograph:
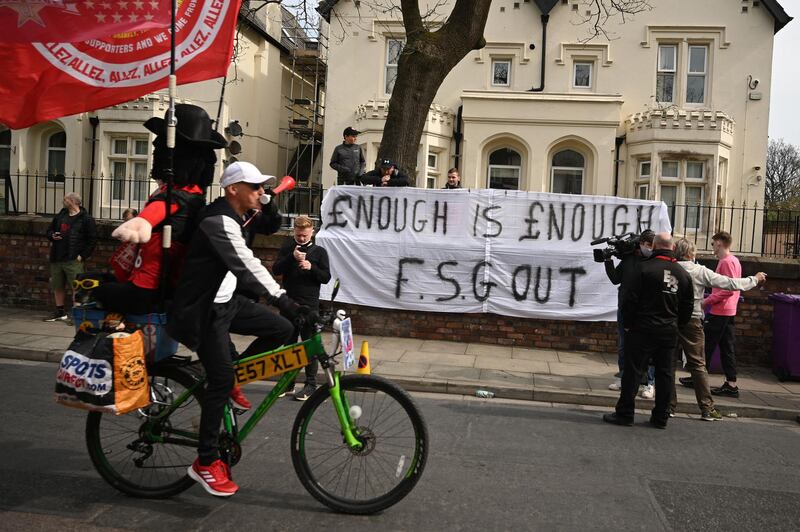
x=271 y=365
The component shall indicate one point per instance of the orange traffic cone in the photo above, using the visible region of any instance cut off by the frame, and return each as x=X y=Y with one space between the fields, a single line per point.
x=364 y=367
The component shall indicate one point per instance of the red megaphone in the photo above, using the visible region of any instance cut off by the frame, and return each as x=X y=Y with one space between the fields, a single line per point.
x=287 y=183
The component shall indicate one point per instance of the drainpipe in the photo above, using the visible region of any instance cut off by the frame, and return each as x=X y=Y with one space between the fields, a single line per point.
x=94 y=121
x=458 y=135
x=617 y=143
x=545 y=6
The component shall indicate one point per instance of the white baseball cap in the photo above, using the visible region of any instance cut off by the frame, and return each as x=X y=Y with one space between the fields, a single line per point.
x=244 y=171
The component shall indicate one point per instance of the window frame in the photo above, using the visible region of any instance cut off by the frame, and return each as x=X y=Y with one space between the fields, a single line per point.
x=561 y=168
x=387 y=65
x=503 y=167
x=703 y=74
x=575 y=65
x=51 y=178
x=702 y=166
x=641 y=174
x=435 y=165
x=137 y=187
x=646 y=187
x=698 y=208
x=677 y=176
x=496 y=61
x=663 y=71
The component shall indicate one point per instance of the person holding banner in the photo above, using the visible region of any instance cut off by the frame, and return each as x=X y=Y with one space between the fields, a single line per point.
x=657 y=301
x=208 y=307
x=304 y=267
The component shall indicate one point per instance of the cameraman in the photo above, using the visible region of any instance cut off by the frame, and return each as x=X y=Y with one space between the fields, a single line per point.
x=626 y=269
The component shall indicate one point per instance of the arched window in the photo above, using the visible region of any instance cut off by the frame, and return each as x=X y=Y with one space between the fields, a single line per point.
x=56 y=157
x=505 y=166
x=568 y=167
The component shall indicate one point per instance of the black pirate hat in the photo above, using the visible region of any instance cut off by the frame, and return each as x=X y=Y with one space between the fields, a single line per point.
x=194 y=127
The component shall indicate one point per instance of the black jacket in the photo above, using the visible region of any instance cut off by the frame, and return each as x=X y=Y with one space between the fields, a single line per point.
x=373 y=177
x=302 y=285
x=660 y=298
x=348 y=161
x=218 y=246
x=622 y=274
x=78 y=236
x=264 y=222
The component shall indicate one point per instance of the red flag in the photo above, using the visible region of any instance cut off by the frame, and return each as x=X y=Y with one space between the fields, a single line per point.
x=43 y=81
x=73 y=20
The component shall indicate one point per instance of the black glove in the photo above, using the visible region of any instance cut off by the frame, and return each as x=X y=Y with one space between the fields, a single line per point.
x=291 y=310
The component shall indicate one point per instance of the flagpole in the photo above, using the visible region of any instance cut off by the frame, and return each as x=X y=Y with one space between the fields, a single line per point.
x=166 y=241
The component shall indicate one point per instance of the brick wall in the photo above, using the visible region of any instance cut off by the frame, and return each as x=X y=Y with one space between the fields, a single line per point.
x=24 y=283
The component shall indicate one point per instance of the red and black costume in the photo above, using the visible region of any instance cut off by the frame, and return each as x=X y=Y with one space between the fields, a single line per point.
x=139 y=290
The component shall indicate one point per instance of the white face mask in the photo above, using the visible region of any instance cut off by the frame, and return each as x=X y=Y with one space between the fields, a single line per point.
x=646 y=251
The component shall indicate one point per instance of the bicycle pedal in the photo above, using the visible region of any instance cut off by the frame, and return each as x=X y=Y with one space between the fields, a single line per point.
x=239 y=411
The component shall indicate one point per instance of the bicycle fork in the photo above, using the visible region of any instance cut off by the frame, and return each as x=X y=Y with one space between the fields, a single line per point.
x=349 y=429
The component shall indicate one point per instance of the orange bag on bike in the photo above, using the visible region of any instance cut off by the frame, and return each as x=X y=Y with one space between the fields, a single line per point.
x=104 y=372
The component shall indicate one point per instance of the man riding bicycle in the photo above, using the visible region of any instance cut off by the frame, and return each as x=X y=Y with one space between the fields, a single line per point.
x=208 y=306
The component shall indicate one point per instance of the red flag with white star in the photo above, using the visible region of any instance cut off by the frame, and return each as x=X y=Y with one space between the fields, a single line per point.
x=78 y=20
x=43 y=81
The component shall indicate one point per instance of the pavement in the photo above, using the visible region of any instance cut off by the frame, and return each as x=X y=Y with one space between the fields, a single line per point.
x=464 y=368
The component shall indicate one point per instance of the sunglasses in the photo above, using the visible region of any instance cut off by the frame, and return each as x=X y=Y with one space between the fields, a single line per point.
x=86 y=284
x=255 y=186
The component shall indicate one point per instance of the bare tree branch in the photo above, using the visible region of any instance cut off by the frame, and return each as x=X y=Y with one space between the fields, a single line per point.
x=783 y=173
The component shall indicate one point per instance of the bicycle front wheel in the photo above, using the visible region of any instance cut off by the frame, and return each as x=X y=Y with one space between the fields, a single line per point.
x=145 y=456
x=384 y=470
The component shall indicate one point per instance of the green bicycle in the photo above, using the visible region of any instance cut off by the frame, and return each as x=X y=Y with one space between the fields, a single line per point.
x=359 y=443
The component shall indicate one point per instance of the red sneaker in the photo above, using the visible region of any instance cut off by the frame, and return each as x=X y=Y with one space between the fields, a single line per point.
x=214 y=478
x=239 y=399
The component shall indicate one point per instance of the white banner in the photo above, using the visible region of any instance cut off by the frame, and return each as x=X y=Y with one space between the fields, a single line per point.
x=515 y=253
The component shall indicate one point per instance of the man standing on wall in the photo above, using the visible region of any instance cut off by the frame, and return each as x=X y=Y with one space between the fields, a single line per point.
x=348 y=159
x=73 y=235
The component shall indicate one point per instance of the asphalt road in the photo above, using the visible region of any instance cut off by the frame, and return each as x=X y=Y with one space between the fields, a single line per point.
x=492 y=466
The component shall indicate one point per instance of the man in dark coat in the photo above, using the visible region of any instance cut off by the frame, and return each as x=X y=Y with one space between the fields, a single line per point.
x=348 y=159
x=386 y=175
x=73 y=236
x=656 y=301
x=304 y=267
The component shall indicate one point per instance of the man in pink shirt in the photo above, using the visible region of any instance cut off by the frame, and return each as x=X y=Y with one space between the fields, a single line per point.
x=721 y=306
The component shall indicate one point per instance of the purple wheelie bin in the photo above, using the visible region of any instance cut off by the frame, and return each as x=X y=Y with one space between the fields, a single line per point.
x=786 y=336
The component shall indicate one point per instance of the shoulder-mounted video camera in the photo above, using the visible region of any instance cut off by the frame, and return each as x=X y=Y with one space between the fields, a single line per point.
x=618 y=246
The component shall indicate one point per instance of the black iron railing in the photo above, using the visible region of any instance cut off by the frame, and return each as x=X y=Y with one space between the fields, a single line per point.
x=107 y=198
x=755 y=230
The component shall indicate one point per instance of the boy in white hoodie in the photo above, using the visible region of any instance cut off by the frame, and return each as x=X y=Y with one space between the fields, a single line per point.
x=691 y=337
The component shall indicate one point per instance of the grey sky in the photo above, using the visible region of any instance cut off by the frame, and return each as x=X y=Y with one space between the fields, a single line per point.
x=784 y=115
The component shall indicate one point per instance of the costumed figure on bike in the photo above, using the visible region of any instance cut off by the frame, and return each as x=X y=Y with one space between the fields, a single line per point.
x=138 y=262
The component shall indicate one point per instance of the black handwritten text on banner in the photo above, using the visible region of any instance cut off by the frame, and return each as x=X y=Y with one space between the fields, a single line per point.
x=514 y=253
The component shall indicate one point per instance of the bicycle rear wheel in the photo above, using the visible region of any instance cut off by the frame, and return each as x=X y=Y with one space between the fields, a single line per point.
x=388 y=466
x=128 y=450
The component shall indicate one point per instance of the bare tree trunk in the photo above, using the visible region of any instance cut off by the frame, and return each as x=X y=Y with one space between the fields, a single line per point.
x=426 y=60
